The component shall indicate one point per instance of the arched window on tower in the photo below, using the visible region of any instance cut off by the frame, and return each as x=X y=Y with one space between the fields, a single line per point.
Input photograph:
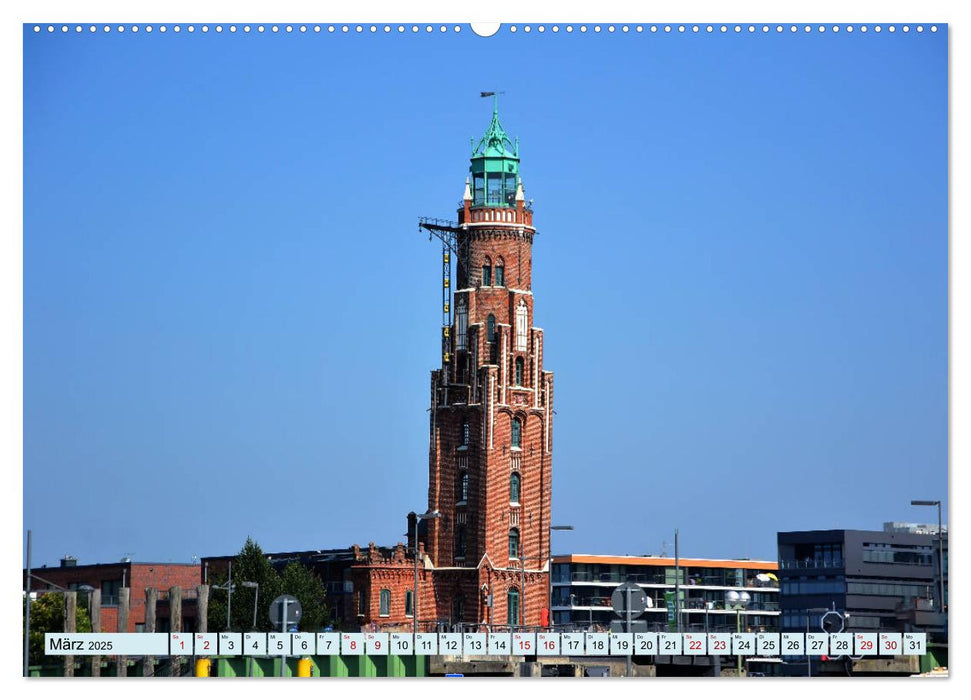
x=520 y=369
x=517 y=433
x=500 y=273
x=522 y=323
x=514 y=484
x=385 y=602
x=466 y=433
x=513 y=543
x=512 y=607
x=487 y=273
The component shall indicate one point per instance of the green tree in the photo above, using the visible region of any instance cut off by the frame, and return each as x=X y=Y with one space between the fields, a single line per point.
x=304 y=585
x=47 y=615
x=250 y=565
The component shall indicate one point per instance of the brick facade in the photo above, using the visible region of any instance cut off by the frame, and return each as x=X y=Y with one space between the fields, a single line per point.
x=106 y=579
x=490 y=424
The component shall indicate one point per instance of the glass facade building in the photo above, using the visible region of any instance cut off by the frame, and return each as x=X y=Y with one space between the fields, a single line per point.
x=582 y=585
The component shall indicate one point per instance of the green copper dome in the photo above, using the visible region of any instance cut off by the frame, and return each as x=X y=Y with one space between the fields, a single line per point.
x=495 y=166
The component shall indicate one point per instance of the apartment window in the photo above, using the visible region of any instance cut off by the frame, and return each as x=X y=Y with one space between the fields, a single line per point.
x=385 y=602
x=409 y=603
x=514 y=543
x=522 y=323
x=512 y=607
x=514 y=484
x=109 y=592
x=520 y=370
x=517 y=433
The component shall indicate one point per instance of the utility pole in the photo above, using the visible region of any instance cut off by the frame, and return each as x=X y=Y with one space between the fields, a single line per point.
x=677 y=583
x=27 y=619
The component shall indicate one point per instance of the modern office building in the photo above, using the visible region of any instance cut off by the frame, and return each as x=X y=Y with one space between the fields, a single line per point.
x=583 y=584
x=871 y=575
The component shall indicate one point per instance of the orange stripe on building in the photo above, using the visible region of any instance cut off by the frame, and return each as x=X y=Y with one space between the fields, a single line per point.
x=665 y=561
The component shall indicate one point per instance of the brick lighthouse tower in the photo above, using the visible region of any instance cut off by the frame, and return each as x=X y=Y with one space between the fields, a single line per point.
x=492 y=403
x=483 y=545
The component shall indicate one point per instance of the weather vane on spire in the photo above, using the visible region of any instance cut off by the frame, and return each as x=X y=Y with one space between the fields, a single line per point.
x=495 y=98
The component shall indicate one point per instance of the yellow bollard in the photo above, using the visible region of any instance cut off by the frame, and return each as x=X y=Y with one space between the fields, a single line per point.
x=202 y=667
x=303 y=668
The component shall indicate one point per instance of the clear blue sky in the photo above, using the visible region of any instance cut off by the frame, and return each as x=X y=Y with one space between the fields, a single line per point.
x=230 y=316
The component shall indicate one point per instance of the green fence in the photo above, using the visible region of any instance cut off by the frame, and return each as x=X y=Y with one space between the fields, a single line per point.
x=265 y=667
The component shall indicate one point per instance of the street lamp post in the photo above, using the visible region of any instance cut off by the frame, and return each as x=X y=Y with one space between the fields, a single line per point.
x=228 y=587
x=940 y=547
x=256 y=600
x=430 y=515
x=549 y=568
x=739 y=601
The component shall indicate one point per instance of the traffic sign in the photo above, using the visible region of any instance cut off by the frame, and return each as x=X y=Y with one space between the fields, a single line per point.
x=831 y=622
x=285 y=608
x=629 y=595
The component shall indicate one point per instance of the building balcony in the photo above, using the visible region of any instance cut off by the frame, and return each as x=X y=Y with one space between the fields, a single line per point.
x=811 y=564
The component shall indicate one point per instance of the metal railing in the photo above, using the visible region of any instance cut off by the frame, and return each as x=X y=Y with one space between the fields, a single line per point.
x=811 y=563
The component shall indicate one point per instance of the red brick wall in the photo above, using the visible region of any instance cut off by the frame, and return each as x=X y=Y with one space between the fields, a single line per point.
x=136 y=576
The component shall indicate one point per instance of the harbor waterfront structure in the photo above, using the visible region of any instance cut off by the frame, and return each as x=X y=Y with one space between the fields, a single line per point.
x=483 y=549
x=583 y=584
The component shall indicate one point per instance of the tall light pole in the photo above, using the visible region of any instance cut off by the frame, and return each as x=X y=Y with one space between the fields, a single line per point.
x=430 y=515
x=739 y=601
x=549 y=568
x=940 y=547
x=228 y=587
x=256 y=600
x=27 y=618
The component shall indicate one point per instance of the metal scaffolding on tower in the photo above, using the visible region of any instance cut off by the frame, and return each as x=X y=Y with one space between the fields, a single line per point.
x=448 y=233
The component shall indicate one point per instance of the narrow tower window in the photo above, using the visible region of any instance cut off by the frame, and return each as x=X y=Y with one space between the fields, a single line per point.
x=466 y=433
x=514 y=488
x=520 y=367
x=513 y=543
x=500 y=273
x=487 y=273
x=491 y=337
x=461 y=324
x=460 y=543
x=522 y=321
x=517 y=433
x=385 y=602
x=464 y=487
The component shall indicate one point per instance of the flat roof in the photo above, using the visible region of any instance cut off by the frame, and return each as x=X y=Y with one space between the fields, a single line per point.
x=647 y=560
